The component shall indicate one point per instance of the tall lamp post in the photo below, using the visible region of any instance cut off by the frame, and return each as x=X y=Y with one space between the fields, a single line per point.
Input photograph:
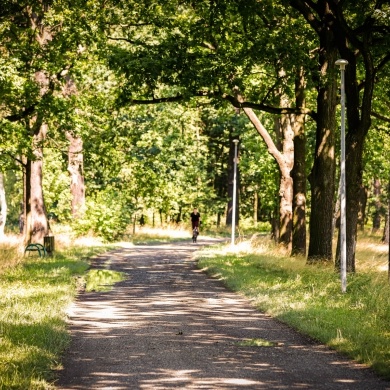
x=343 y=240
x=236 y=141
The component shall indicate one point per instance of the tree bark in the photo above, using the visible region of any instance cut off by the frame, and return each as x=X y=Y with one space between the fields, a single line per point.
x=75 y=169
x=3 y=206
x=229 y=214
x=286 y=182
x=359 y=122
x=385 y=237
x=298 y=173
x=322 y=175
x=362 y=207
x=376 y=218
x=36 y=224
x=285 y=163
x=354 y=42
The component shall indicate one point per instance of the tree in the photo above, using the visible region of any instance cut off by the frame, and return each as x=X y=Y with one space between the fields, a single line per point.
x=211 y=50
x=43 y=41
x=322 y=175
x=360 y=34
x=76 y=172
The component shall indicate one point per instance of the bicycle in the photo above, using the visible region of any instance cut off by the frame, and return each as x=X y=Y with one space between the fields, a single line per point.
x=195 y=234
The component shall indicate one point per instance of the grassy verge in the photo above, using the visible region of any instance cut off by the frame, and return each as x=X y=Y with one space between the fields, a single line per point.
x=34 y=295
x=309 y=298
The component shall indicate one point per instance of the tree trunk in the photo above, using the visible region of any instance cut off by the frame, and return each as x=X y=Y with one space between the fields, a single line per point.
x=322 y=175
x=286 y=182
x=26 y=201
x=274 y=220
x=359 y=121
x=255 y=206
x=75 y=169
x=285 y=163
x=36 y=224
x=355 y=43
x=376 y=218
x=3 y=206
x=354 y=171
x=362 y=207
x=298 y=173
x=385 y=237
x=229 y=214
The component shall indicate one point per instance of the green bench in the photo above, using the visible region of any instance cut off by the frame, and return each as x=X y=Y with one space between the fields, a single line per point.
x=36 y=248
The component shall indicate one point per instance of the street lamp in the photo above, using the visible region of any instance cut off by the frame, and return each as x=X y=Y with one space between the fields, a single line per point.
x=343 y=242
x=236 y=141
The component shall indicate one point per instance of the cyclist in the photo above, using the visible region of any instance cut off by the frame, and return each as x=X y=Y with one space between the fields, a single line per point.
x=195 y=219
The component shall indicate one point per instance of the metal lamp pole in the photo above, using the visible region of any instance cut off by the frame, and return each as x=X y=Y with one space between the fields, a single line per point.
x=343 y=240
x=236 y=141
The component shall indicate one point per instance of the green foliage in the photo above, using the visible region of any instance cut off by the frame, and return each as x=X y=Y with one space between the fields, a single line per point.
x=165 y=157
x=14 y=198
x=107 y=215
x=56 y=183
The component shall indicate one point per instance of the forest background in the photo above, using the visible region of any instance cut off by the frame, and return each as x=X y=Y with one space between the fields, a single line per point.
x=120 y=113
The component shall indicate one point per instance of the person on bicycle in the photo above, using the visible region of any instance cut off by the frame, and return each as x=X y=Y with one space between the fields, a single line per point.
x=195 y=219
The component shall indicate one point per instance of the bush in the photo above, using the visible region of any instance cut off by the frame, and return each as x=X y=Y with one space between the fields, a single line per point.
x=107 y=215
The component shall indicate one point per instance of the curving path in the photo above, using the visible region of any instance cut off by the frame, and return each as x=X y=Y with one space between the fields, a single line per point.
x=170 y=326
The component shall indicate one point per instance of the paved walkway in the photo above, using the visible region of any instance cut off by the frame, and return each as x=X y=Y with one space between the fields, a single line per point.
x=169 y=326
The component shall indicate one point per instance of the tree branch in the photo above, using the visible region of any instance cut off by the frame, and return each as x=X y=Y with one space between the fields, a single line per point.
x=154 y=100
x=233 y=100
x=303 y=7
x=21 y=115
x=123 y=39
x=383 y=62
x=380 y=116
x=272 y=110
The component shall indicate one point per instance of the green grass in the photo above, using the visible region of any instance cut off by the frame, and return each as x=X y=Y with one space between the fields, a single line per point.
x=256 y=343
x=34 y=295
x=309 y=298
x=102 y=279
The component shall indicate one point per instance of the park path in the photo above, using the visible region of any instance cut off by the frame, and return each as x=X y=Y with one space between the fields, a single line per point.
x=169 y=325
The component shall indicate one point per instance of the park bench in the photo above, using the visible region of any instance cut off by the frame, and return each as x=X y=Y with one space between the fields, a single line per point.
x=36 y=248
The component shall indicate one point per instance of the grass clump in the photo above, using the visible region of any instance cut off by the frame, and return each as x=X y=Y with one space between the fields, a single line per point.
x=34 y=295
x=309 y=297
x=256 y=343
x=102 y=279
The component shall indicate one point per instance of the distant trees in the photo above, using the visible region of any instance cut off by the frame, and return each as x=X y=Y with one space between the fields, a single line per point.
x=139 y=102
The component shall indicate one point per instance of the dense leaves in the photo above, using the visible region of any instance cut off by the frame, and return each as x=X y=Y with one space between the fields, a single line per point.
x=151 y=88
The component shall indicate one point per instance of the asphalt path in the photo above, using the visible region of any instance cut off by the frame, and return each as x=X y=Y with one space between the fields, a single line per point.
x=169 y=325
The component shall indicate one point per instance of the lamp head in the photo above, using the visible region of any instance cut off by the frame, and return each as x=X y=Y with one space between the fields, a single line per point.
x=342 y=64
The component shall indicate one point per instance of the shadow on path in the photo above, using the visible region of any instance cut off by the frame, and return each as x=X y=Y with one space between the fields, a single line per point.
x=170 y=326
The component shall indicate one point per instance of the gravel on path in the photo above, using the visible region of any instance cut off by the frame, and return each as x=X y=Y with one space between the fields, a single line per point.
x=169 y=325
